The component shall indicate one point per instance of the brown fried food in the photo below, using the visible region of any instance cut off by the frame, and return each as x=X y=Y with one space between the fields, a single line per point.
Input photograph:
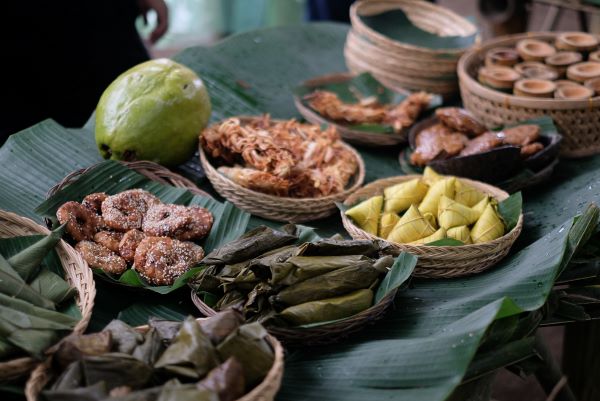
x=160 y=260
x=330 y=106
x=100 y=257
x=435 y=142
x=125 y=211
x=129 y=243
x=521 y=135
x=176 y=221
x=257 y=180
x=82 y=223
x=406 y=113
x=94 y=201
x=283 y=158
x=531 y=149
x=460 y=120
x=482 y=143
x=109 y=239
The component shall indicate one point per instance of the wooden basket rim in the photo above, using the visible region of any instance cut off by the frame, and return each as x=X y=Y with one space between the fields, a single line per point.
x=359 y=6
x=471 y=56
x=496 y=192
x=358 y=179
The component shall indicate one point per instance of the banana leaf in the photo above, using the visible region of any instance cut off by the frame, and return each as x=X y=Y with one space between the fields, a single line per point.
x=357 y=88
x=75 y=347
x=95 y=392
x=35 y=311
x=227 y=380
x=150 y=350
x=12 y=284
x=229 y=222
x=35 y=252
x=219 y=326
x=116 y=370
x=124 y=337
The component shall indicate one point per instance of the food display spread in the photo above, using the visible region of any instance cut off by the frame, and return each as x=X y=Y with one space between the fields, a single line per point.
x=429 y=209
x=283 y=158
x=215 y=359
x=135 y=229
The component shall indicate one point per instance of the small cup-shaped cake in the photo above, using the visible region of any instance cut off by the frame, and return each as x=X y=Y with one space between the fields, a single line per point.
x=501 y=56
x=562 y=60
x=534 y=88
x=576 y=41
x=537 y=70
x=594 y=56
x=593 y=84
x=534 y=50
x=582 y=72
x=563 y=83
x=498 y=77
x=573 y=92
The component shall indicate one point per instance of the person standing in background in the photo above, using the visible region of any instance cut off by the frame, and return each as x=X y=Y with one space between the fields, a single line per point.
x=59 y=56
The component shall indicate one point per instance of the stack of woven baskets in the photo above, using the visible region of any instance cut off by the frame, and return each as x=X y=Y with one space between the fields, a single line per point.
x=401 y=65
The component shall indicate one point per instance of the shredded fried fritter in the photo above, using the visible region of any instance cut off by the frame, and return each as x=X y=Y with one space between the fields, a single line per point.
x=399 y=116
x=284 y=158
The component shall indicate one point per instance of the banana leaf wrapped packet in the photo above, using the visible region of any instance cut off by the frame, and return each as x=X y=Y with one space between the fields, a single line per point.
x=215 y=359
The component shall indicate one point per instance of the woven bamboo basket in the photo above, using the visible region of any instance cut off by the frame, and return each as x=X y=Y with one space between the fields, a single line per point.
x=294 y=210
x=350 y=135
x=322 y=334
x=440 y=261
x=402 y=65
x=77 y=274
x=577 y=120
x=265 y=391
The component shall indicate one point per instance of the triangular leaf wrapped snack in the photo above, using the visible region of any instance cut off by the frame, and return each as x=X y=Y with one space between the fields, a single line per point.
x=488 y=227
x=460 y=233
x=443 y=187
x=436 y=236
x=227 y=380
x=329 y=309
x=467 y=194
x=454 y=214
x=411 y=227
x=432 y=219
x=388 y=221
x=401 y=196
x=480 y=206
x=430 y=176
x=366 y=214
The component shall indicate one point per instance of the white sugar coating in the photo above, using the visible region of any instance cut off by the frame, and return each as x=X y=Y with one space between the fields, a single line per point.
x=100 y=257
x=125 y=211
x=177 y=221
x=82 y=224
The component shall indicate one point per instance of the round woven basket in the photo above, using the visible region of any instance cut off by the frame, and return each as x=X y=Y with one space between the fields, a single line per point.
x=294 y=210
x=402 y=65
x=322 y=334
x=440 y=261
x=353 y=136
x=578 y=120
x=77 y=274
x=265 y=391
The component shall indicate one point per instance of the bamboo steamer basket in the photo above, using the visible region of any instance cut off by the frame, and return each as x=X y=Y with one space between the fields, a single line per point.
x=265 y=391
x=284 y=209
x=77 y=274
x=401 y=65
x=440 y=261
x=577 y=120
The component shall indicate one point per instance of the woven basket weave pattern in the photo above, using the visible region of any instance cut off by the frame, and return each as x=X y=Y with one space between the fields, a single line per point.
x=440 y=261
x=577 y=120
x=321 y=335
x=77 y=274
x=295 y=210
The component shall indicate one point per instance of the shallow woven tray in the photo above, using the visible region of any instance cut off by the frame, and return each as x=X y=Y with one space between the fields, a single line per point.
x=440 y=261
x=295 y=210
x=402 y=65
x=578 y=120
x=323 y=334
x=77 y=274
x=265 y=391
x=354 y=136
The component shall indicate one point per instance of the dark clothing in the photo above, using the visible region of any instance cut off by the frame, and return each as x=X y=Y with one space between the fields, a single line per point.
x=329 y=10
x=60 y=56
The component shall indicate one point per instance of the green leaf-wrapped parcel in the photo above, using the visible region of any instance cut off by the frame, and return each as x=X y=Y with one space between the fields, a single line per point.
x=13 y=285
x=28 y=261
x=227 y=380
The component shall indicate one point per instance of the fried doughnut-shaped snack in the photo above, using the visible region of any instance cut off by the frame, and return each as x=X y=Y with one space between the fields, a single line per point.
x=160 y=260
x=109 y=239
x=176 y=221
x=125 y=211
x=82 y=223
x=129 y=243
x=100 y=257
x=94 y=201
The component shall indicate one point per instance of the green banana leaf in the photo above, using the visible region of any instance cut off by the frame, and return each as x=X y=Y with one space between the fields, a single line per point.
x=357 y=88
x=113 y=177
x=254 y=73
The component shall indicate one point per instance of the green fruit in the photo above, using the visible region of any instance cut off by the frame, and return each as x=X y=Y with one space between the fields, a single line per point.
x=153 y=111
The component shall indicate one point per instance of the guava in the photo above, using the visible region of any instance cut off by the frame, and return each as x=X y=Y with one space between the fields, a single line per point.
x=154 y=111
